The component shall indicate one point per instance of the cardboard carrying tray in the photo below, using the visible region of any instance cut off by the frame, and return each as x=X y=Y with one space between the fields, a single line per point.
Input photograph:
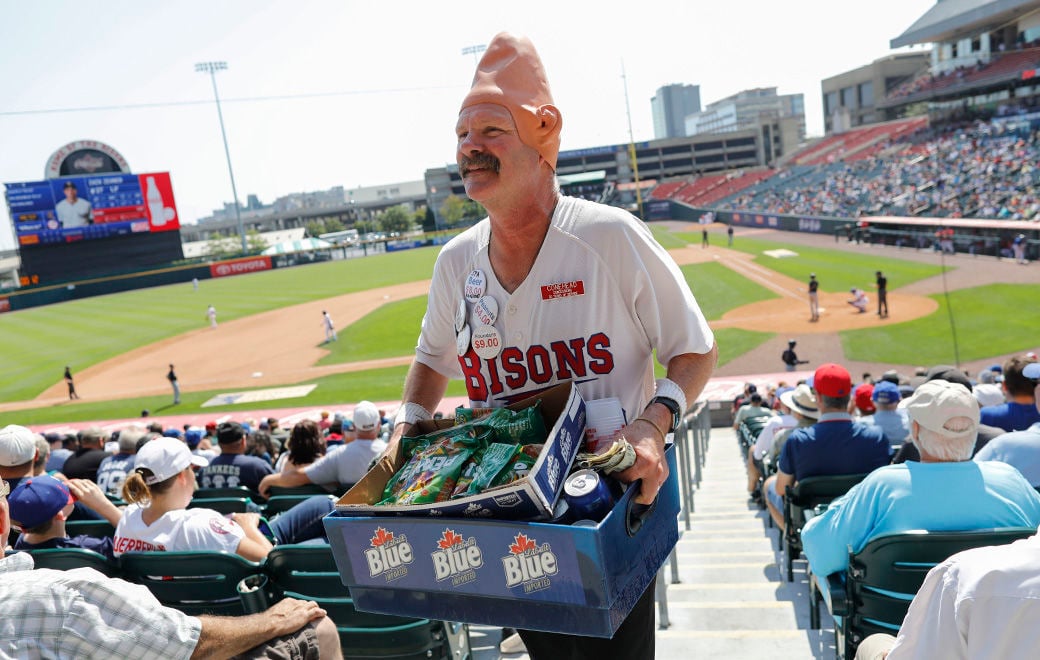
x=563 y=412
x=540 y=576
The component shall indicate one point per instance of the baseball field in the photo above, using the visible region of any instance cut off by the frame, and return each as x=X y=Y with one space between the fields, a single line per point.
x=943 y=310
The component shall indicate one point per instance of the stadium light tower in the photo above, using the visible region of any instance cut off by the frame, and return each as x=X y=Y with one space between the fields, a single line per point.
x=474 y=51
x=211 y=68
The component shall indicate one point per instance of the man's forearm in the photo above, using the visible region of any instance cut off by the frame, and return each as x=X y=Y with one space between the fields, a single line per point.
x=225 y=637
x=423 y=386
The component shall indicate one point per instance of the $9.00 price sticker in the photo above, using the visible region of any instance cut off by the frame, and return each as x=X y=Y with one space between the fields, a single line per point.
x=487 y=343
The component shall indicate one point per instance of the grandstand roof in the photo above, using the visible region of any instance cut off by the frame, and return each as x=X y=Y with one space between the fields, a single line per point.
x=949 y=18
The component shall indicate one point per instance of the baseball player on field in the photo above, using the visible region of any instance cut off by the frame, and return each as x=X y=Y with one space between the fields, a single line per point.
x=548 y=289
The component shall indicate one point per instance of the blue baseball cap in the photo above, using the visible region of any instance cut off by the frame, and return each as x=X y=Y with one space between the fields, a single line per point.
x=886 y=392
x=1032 y=371
x=36 y=500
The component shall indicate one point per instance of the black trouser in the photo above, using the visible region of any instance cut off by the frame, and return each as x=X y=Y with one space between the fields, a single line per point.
x=882 y=303
x=634 y=640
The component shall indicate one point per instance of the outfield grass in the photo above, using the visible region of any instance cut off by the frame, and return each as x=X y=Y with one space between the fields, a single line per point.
x=836 y=270
x=389 y=331
x=986 y=321
x=719 y=289
x=666 y=238
x=37 y=343
x=336 y=391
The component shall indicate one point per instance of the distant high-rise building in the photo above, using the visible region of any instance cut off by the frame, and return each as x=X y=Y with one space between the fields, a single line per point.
x=670 y=106
x=745 y=109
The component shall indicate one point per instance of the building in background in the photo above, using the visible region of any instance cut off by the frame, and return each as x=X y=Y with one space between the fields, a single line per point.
x=747 y=109
x=850 y=98
x=670 y=106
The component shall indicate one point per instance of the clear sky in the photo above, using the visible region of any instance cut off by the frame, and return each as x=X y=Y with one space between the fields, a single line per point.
x=369 y=91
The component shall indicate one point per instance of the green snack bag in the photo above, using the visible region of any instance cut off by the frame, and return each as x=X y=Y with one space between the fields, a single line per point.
x=431 y=473
x=520 y=427
x=518 y=468
x=495 y=458
x=469 y=470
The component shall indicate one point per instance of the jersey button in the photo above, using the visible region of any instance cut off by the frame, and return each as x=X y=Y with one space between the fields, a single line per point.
x=518 y=336
x=512 y=309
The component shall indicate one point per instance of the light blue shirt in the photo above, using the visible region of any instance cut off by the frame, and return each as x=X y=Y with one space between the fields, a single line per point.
x=937 y=497
x=895 y=424
x=1020 y=449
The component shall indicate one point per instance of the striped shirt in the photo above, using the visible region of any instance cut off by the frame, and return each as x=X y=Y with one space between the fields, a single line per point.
x=83 y=614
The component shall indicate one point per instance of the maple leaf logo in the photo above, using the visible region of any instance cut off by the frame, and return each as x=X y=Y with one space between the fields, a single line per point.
x=382 y=537
x=448 y=539
x=522 y=543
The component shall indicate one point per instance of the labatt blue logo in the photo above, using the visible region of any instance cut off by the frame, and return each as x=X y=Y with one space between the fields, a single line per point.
x=389 y=555
x=456 y=558
x=529 y=564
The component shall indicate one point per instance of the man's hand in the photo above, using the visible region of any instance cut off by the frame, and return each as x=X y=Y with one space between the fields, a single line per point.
x=264 y=487
x=289 y=615
x=247 y=520
x=651 y=466
x=87 y=492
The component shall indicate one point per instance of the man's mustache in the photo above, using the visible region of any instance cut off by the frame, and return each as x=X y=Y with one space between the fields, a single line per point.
x=480 y=161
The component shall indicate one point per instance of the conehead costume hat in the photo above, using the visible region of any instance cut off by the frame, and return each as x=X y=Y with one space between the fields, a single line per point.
x=510 y=74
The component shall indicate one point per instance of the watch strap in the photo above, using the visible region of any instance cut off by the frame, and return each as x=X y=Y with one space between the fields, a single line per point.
x=673 y=407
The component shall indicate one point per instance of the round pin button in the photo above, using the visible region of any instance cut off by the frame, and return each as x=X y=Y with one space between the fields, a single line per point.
x=460 y=315
x=476 y=285
x=485 y=310
x=487 y=342
x=462 y=340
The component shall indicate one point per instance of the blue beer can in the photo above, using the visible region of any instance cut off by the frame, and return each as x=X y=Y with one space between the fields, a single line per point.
x=588 y=495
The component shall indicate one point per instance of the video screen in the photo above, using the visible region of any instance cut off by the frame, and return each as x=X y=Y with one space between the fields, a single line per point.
x=72 y=209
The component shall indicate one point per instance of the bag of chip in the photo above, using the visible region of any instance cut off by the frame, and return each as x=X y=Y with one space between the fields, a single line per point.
x=519 y=427
x=517 y=468
x=495 y=458
x=431 y=472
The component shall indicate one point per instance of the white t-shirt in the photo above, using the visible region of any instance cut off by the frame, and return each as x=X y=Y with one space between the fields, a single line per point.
x=345 y=464
x=73 y=215
x=764 y=441
x=601 y=296
x=177 y=531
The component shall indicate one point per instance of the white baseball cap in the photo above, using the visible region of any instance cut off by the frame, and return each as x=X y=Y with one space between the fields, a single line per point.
x=165 y=458
x=936 y=402
x=17 y=445
x=366 y=416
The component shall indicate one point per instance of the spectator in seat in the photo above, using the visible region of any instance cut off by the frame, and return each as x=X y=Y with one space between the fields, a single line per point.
x=1019 y=412
x=112 y=471
x=342 y=465
x=43 y=453
x=59 y=450
x=40 y=505
x=157 y=518
x=946 y=491
x=764 y=442
x=1019 y=449
x=888 y=417
x=862 y=403
x=744 y=397
x=232 y=468
x=82 y=613
x=834 y=445
x=304 y=446
x=84 y=463
x=980 y=603
x=753 y=408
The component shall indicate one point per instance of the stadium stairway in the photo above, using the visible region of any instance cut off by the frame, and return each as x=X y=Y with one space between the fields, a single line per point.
x=730 y=602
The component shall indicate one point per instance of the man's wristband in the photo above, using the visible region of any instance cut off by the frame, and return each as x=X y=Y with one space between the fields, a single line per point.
x=410 y=413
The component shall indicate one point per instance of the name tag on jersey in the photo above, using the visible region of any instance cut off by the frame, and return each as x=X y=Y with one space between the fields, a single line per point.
x=563 y=290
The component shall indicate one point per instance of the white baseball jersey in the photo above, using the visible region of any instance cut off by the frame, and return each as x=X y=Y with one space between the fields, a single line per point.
x=601 y=296
x=176 y=531
x=73 y=215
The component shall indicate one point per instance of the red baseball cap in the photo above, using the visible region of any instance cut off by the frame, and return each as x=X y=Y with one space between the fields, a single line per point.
x=865 y=398
x=832 y=380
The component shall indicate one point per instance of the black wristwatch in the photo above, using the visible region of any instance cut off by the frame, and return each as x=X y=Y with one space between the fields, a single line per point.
x=673 y=406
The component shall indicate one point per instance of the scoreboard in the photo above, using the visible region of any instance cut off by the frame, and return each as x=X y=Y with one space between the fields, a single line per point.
x=72 y=209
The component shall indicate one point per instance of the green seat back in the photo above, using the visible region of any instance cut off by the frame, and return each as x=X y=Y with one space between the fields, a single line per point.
x=63 y=559
x=221 y=504
x=211 y=493
x=192 y=582
x=96 y=528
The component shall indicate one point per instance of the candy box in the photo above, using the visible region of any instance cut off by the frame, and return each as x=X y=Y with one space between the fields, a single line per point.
x=563 y=413
x=573 y=579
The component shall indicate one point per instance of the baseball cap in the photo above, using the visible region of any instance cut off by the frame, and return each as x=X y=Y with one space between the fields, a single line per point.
x=892 y=376
x=1032 y=371
x=17 y=445
x=229 y=432
x=831 y=380
x=950 y=375
x=37 y=499
x=193 y=436
x=936 y=402
x=510 y=74
x=864 y=398
x=988 y=394
x=69 y=184
x=366 y=416
x=165 y=457
x=886 y=392
x=802 y=400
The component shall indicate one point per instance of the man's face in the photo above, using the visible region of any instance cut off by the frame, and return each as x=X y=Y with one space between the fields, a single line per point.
x=493 y=162
x=71 y=194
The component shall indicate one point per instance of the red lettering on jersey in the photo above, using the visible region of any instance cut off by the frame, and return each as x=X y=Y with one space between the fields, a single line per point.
x=475 y=384
x=563 y=290
x=496 y=381
x=570 y=362
x=513 y=364
x=539 y=366
x=602 y=359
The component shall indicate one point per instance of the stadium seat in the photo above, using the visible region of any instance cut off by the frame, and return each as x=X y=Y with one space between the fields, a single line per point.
x=309 y=572
x=192 y=582
x=96 y=528
x=222 y=504
x=802 y=497
x=864 y=597
x=68 y=558
x=212 y=493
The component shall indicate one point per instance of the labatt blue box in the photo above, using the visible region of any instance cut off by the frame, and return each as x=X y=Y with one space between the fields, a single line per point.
x=563 y=413
x=557 y=578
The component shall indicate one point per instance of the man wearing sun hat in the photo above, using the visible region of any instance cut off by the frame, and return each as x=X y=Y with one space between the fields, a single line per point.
x=946 y=491
x=583 y=293
x=836 y=444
